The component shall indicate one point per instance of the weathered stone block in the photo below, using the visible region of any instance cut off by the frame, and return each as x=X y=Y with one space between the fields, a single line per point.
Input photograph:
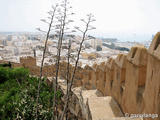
x=15 y=65
x=152 y=88
x=132 y=100
x=109 y=77
x=87 y=77
x=154 y=48
x=28 y=61
x=119 y=77
x=101 y=78
x=93 y=79
x=104 y=108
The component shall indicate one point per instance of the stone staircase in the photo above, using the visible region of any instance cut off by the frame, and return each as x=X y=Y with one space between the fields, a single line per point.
x=93 y=105
x=101 y=108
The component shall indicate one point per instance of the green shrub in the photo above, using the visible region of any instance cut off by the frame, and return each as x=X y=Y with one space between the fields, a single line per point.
x=19 y=74
x=4 y=76
x=16 y=73
x=18 y=101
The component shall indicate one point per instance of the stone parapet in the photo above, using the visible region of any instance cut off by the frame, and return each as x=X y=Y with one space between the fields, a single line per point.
x=135 y=80
x=28 y=61
x=152 y=87
x=154 y=48
x=138 y=56
x=121 y=61
x=119 y=77
x=101 y=78
x=87 y=77
x=109 y=76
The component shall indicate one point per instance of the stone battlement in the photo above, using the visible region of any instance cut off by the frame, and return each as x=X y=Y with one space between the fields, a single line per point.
x=133 y=80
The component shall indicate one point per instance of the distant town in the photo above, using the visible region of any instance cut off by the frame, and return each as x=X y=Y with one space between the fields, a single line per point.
x=95 y=50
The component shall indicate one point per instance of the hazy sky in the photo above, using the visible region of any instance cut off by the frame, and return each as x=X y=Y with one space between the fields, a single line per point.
x=113 y=16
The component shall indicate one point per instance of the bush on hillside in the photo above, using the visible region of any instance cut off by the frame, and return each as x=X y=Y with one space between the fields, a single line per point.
x=18 y=101
x=4 y=76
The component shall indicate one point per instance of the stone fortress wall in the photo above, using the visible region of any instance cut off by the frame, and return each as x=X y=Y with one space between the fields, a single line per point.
x=48 y=71
x=133 y=80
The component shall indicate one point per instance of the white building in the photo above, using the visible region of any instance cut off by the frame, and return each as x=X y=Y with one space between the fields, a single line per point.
x=96 y=42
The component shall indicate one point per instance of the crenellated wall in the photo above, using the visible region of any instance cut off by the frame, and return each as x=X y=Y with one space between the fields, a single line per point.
x=119 y=78
x=50 y=70
x=101 y=77
x=152 y=87
x=28 y=61
x=133 y=80
x=109 y=76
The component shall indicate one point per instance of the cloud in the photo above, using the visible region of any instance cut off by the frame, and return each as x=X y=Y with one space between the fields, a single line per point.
x=140 y=16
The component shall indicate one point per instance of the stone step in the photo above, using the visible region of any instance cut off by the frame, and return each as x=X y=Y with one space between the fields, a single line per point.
x=101 y=108
x=91 y=93
x=86 y=93
x=104 y=108
x=93 y=103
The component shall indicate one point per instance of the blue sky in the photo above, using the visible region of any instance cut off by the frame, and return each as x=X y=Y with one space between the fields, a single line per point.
x=113 y=17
